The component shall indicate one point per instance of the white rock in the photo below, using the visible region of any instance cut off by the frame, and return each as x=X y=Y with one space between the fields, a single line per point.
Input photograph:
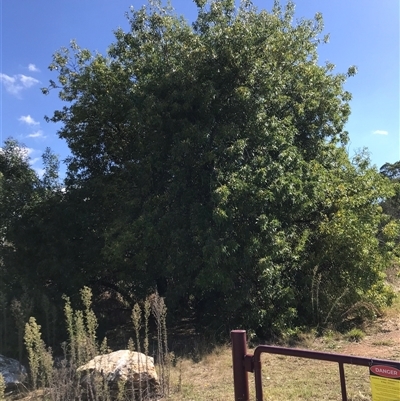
x=135 y=369
x=13 y=372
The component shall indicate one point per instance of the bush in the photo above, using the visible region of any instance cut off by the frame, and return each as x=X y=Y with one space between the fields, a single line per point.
x=354 y=335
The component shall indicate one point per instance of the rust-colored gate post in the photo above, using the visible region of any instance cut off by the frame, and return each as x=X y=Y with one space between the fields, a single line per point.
x=240 y=375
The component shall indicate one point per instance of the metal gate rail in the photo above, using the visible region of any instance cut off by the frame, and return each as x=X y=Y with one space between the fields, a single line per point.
x=244 y=363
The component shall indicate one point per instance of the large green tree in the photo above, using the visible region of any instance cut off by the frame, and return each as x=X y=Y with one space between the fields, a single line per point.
x=212 y=155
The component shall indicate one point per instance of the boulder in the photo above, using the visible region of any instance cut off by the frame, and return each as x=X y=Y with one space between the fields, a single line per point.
x=13 y=372
x=134 y=369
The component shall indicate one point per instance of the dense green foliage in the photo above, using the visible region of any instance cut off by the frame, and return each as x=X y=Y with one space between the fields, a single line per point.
x=392 y=206
x=208 y=162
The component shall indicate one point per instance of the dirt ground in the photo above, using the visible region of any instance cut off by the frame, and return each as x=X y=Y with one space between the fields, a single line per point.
x=382 y=341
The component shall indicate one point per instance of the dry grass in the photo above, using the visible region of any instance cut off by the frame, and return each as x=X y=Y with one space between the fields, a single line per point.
x=289 y=378
x=297 y=379
x=284 y=378
x=209 y=379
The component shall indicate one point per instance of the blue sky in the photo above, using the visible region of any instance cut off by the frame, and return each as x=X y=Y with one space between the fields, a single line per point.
x=362 y=33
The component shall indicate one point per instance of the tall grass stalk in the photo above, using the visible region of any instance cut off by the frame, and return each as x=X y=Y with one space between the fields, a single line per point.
x=91 y=323
x=81 y=328
x=159 y=311
x=137 y=318
x=40 y=359
x=147 y=311
x=2 y=388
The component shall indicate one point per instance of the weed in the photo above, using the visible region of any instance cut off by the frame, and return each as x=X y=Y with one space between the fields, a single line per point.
x=40 y=359
x=354 y=335
x=330 y=334
x=384 y=343
x=331 y=345
x=81 y=328
x=159 y=311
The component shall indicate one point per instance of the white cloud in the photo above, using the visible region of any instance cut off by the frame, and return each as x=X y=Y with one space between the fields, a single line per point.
x=17 y=83
x=40 y=171
x=380 y=132
x=27 y=151
x=28 y=120
x=33 y=68
x=27 y=81
x=37 y=134
x=35 y=160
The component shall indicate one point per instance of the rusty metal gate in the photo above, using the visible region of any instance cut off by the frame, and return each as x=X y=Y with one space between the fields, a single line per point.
x=243 y=363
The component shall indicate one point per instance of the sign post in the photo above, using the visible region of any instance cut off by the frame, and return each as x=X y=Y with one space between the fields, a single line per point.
x=385 y=381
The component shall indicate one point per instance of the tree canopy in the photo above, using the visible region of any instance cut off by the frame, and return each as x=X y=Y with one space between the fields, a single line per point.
x=391 y=206
x=208 y=163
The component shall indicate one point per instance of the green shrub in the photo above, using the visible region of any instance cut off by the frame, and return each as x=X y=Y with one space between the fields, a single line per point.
x=354 y=335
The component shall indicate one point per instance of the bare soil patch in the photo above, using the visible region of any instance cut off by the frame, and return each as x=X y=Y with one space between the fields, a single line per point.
x=382 y=341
